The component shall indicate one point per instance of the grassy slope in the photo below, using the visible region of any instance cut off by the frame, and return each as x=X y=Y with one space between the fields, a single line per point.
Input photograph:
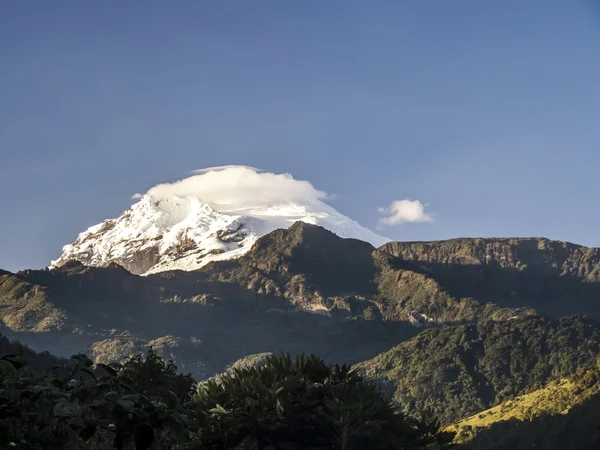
x=563 y=415
x=557 y=397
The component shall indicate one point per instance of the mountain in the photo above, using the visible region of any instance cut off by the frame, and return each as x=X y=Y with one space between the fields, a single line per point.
x=159 y=234
x=298 y=289
x=267 y=300
x=402 y=311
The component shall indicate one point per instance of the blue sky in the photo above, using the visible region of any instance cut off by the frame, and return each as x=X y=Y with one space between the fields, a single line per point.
x=488 y=112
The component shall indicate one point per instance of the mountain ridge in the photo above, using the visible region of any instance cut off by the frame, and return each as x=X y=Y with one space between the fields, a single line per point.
x=458 y=325
x=302 y=288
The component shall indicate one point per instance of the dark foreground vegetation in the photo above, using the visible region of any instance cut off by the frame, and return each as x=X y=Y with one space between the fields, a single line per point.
x=286 y=403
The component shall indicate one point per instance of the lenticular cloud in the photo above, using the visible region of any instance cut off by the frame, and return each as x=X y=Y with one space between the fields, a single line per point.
x=234 y=187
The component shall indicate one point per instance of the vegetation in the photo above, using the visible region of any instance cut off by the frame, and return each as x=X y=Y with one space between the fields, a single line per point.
x=85 y=406
x=576 y=430
x=145 y=404
x=408 y=291
x=563 y=415
x=40 y=362
x=558 y=397
x=461 y=370
x=305 y=403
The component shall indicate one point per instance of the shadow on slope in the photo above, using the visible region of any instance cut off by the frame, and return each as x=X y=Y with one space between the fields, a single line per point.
x=217 y=339
x=547 y=293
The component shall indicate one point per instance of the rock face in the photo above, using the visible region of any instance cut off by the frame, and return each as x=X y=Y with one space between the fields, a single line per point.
x=161 y=234
x=556 y=278
x=539 y=254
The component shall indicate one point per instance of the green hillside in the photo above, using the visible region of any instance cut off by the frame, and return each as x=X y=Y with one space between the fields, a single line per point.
x=564 y=414
x=461 y=370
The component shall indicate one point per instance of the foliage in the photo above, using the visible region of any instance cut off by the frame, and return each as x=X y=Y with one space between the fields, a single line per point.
x=302 y=403
x=145 y=404
x=92 y=406
x=553 y=277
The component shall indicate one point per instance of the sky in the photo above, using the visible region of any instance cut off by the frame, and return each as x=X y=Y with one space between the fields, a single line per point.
x=486 y=114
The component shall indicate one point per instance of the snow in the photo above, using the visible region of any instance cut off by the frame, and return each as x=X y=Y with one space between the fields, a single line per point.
x=188 y=233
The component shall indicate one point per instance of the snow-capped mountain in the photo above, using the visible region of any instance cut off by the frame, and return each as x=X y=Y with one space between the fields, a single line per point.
x=160 y=233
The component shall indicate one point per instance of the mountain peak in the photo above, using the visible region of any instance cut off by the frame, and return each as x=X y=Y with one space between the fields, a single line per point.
x=167 y=232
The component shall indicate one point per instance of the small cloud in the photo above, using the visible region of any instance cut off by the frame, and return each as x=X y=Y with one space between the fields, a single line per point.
x=136 y=196
x=402 y=211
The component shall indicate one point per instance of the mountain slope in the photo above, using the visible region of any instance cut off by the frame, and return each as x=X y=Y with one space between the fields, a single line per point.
x=558 y=397
x=563 y=415
x=465 y=369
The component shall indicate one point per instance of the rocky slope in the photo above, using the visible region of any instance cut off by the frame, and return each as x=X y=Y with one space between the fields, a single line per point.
x=540 y=255
x=205 y=319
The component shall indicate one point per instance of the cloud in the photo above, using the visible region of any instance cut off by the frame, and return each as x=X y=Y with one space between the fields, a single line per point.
x=232 y=187
x=221 y=168
x=402 y=211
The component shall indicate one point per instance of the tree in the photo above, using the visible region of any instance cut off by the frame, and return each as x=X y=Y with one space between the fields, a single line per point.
x=300 y=403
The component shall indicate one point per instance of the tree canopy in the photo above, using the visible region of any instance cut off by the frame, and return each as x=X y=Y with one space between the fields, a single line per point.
x=287 y=403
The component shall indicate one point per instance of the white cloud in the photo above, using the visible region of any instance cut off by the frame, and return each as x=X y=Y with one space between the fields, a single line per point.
x=239 y=187
x=402 y=211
